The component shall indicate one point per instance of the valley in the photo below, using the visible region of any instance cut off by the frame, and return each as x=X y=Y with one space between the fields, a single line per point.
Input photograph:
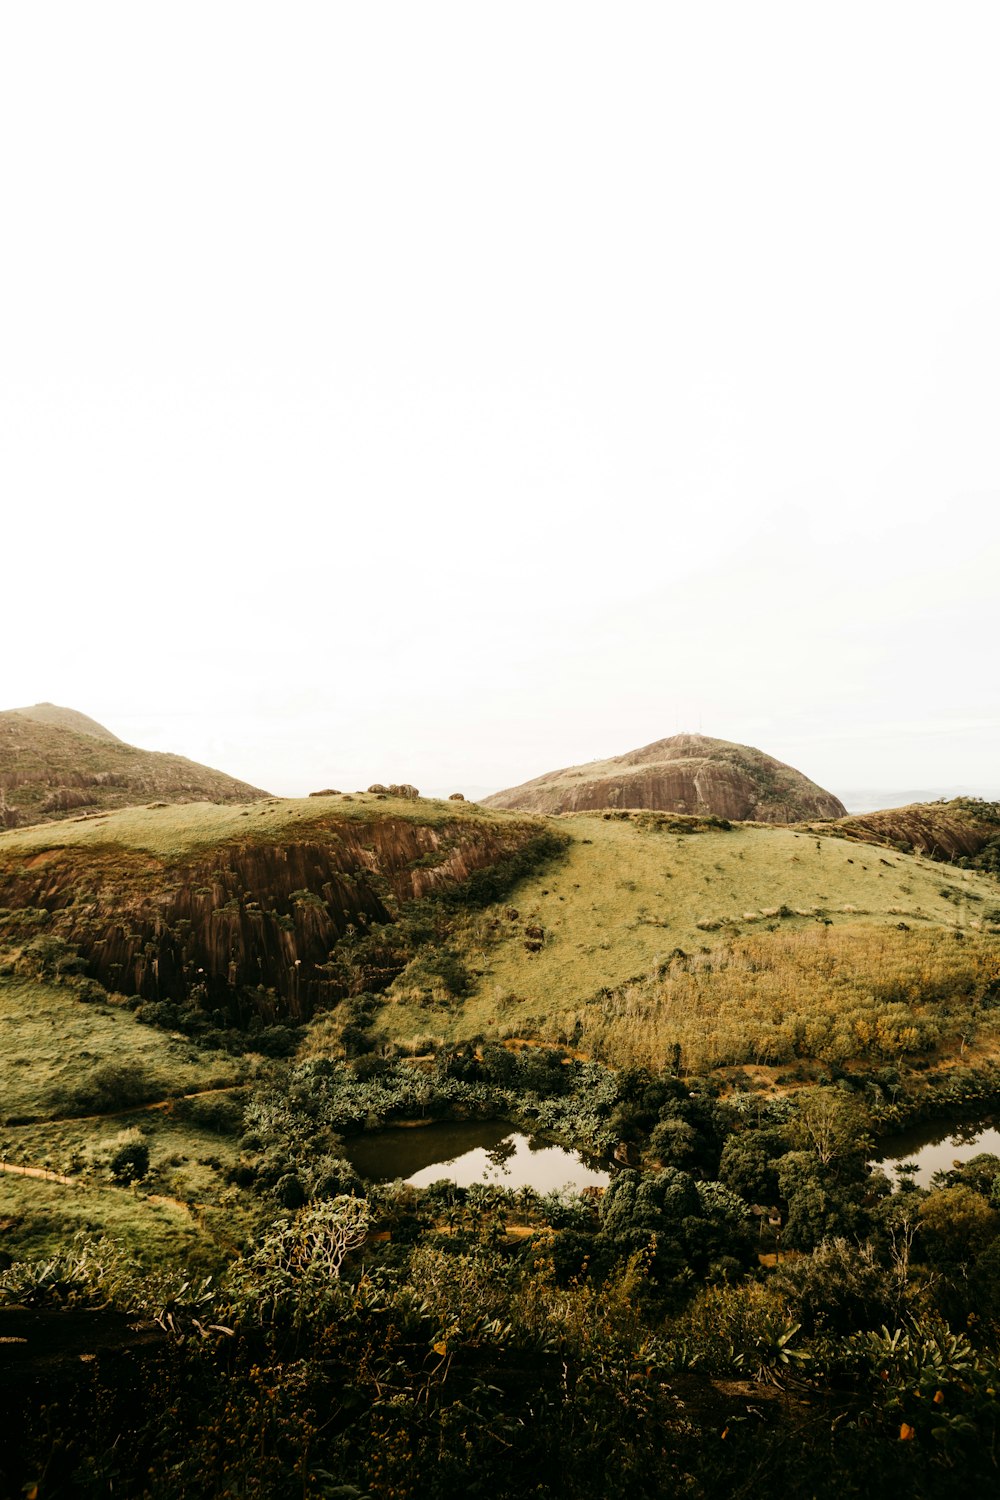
x=510 y=1140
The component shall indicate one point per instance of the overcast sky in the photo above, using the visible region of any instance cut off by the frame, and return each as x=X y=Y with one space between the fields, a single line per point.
x=450 y=392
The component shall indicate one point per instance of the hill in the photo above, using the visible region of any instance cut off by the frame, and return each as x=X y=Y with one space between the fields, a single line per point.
x=67 y=718
x=55 y=762
x=253 y=914
x=687 y=773
x=964 y=830
x=639 y=895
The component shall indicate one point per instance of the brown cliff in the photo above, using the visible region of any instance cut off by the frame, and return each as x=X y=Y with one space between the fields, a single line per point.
x=687 y=773
x=249 y=925
x=950 y=831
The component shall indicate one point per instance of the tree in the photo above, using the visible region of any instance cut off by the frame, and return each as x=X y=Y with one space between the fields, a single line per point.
x=830 y=1122
x=956 y=1225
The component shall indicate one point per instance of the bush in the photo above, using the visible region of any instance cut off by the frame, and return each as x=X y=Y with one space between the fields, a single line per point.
x=113 y=1086
x=130 y=1163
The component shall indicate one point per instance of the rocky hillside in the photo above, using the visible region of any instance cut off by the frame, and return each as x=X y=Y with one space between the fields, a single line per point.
x=57 y=763
x=244 y=918
x=687 y=773
x=962 y=830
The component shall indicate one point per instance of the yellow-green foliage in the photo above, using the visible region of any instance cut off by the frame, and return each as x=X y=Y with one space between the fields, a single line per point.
x=867 y=993
x=174 y=831
x=632 y=890
x=187 y=1161
x=59 y=1054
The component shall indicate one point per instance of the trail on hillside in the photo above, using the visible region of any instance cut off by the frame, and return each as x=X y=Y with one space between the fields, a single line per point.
x=136 y=1109
x=49 y=1176
x=46 y=1174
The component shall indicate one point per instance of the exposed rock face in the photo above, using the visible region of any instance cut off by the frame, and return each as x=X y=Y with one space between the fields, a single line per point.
x=687 y=773
x=249 y=926
x=54 y=761
x=941 y=830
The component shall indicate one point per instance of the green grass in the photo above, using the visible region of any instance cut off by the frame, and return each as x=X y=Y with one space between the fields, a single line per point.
x=178 y=830
x=38 y=1219
x=53 y=1047
x=629 y=893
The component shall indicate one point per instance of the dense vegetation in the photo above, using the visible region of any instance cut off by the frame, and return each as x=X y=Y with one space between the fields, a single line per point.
x=387 y=1342
x=200 y=1295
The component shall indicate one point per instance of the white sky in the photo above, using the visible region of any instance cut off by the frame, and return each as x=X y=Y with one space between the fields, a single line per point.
x=450 y=392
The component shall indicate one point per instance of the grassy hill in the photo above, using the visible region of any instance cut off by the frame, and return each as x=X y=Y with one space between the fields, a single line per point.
x=634 y=938
x=56 y=763
x=270 y=910
x=67 y=718
x=640 y=898
x=80 y=1079
x=549 y=928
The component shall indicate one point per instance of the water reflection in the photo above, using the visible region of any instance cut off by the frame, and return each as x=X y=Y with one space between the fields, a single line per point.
x=937 y=1148
x=469 y=1153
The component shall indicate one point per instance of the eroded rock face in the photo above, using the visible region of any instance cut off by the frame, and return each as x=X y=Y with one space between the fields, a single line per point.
x=248 y=927
x=687 y=773
x=943 y=831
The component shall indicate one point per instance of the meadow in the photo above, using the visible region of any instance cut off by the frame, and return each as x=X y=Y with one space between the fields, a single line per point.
x=579 y=951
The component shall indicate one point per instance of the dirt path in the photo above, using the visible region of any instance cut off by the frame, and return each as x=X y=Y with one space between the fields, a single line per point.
x=132 y=1109
x=49 y=1176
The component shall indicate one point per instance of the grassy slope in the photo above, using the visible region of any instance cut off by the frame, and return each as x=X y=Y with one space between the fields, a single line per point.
x=38 y=1219
x=66 y=718
x=627 y=896
x=53 y=1043
x=176 y=831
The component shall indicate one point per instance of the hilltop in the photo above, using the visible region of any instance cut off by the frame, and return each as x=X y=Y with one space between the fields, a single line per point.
x=56 y=763
x=67 y=718
x=687 y=773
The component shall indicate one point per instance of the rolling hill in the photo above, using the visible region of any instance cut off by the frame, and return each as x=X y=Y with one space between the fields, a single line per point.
x=56 y=763
x=687 y=773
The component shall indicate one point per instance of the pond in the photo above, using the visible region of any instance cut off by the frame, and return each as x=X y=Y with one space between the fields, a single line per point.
x=938 y=1146
x=471 y=1152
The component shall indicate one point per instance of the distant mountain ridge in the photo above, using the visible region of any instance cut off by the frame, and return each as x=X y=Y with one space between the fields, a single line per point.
x=685 y=773
x=58 y=763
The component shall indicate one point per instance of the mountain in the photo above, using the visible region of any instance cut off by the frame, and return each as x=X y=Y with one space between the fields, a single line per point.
x=687 y=773
x=56 y=763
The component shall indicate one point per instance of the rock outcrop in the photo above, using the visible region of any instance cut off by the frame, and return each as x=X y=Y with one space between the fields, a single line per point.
x=250 y=926
x=687 y=773
x=949 y=831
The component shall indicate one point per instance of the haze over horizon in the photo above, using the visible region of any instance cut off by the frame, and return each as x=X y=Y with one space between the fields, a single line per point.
x=450 y=396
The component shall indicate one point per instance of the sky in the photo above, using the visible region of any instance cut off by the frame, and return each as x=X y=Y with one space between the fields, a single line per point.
x=447 y=393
